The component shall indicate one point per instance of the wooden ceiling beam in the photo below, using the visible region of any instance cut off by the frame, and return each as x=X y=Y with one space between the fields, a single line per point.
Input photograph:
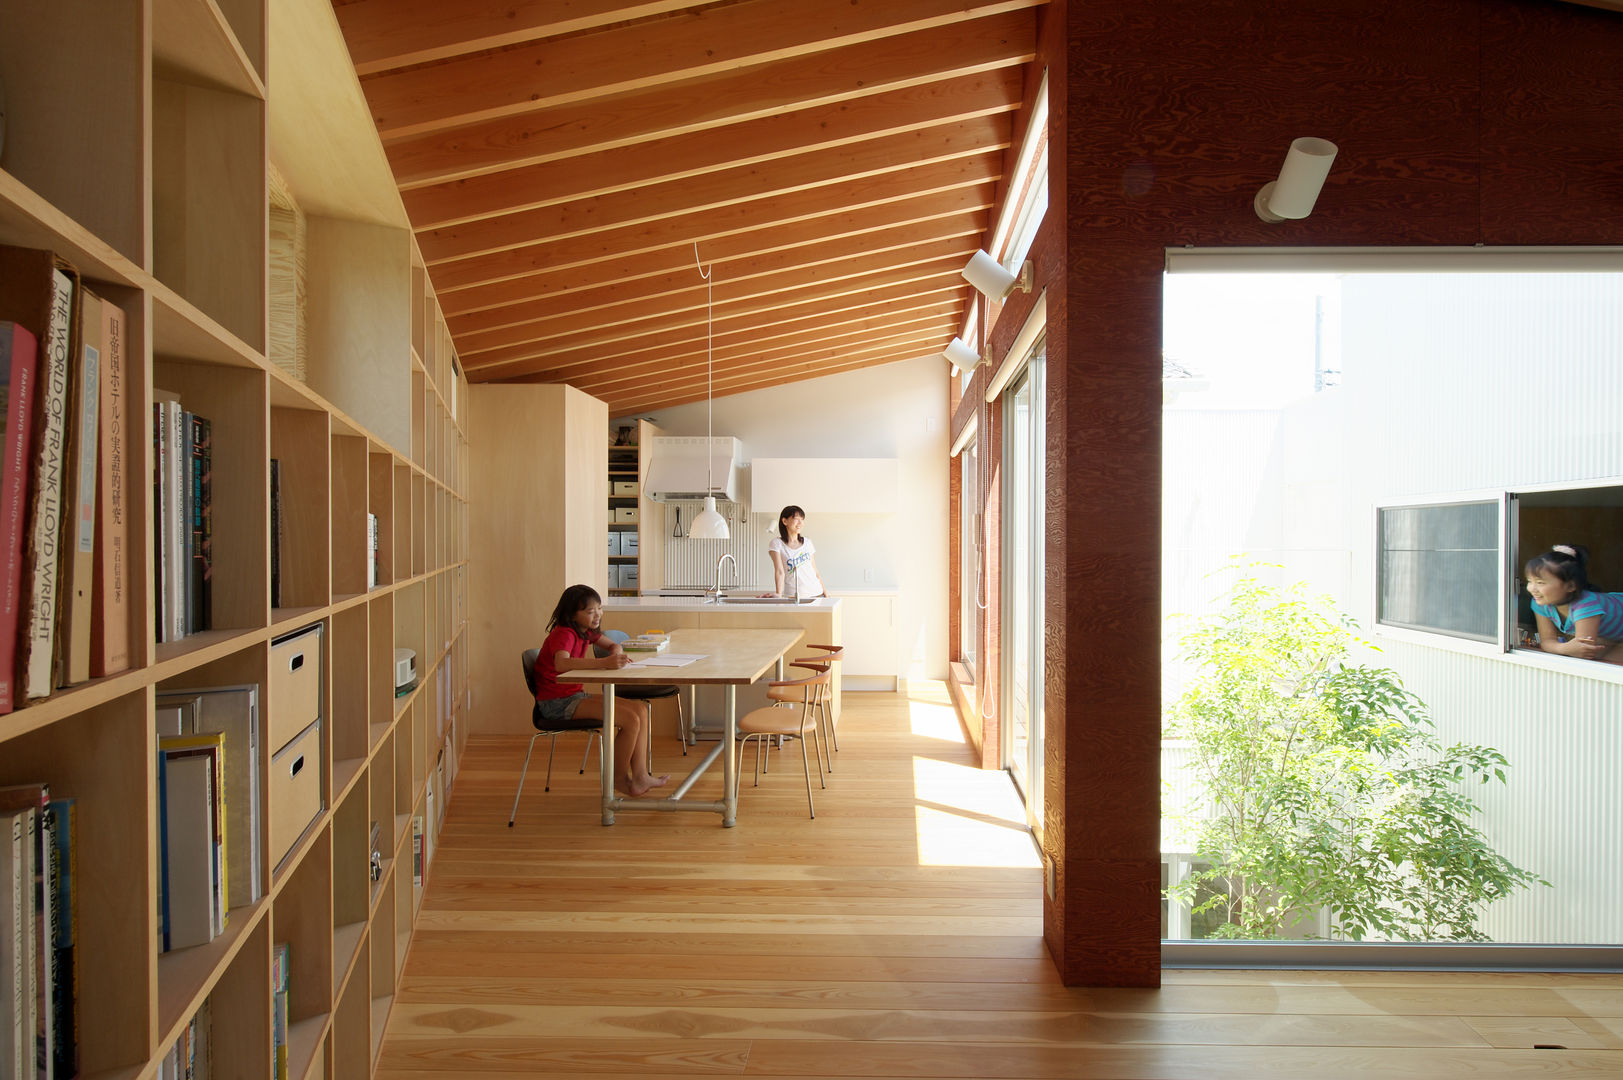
x=587 y=331
x=944 y=212
x=384 y=34
x=652 y=354
x=614 y=379
x=687 y=45
x=736 y=331
x=590 y=127
x=941 y=309
x=815 y=368
x=808 y=131
x=785 y=271
x=819 y=210
x=757 y=187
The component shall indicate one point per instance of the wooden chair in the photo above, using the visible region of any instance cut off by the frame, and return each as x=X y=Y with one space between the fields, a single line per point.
x=793 y=717
x=587 y=726
x=831 y=653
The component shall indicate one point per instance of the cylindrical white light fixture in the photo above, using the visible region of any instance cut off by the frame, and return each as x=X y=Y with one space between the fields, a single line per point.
x=1300 y=180
x=961 y=355
x=709 y=525
x=988 y=276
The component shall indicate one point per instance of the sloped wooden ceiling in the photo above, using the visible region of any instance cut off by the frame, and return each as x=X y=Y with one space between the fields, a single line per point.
x=835 y=161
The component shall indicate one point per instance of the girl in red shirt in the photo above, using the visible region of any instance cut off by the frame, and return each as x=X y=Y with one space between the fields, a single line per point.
x=572 y=631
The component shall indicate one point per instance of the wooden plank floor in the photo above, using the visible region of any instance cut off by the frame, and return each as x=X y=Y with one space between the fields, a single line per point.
x=897 y=935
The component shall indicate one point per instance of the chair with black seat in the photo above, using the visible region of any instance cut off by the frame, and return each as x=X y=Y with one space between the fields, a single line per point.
x=589 y=726
x=646 y=692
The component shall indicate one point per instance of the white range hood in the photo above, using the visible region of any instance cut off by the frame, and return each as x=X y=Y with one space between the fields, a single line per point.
x=679 y=470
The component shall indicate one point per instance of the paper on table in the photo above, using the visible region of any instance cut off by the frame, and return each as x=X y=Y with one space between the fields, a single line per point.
x=668 y=660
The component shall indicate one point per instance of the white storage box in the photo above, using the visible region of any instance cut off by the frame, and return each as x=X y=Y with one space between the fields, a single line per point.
x=628 y=576
x=628 y=543
x=625 y=515
x=613 y=580
x=615 y=543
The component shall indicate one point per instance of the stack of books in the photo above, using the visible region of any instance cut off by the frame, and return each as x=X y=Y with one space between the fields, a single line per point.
x=208 y=810
x=38 y=928
x=646 y=643
x=183 y=536
x=64 y=604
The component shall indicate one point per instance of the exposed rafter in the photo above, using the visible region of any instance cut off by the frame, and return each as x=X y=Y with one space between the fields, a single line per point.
x=836 y=160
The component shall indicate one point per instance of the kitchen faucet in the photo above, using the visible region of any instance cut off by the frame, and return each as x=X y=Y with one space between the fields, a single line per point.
x=726 y=557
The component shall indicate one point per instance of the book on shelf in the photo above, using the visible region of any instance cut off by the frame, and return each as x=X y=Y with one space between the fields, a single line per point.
x=281 y=962
x=200 y=564
x=371 y=551
x=193 y=850
x=183 y=525
x=19 y=350
x=233 y=713
x=32 y=993
x=110 y=603
x=417 y=850
x=16 y=931
x=61 y=826
x=275 y=533
x=36 y=285
x=76 y=570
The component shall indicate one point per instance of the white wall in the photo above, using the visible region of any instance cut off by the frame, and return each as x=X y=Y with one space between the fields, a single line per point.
x=893 y=410
x=1450 y=384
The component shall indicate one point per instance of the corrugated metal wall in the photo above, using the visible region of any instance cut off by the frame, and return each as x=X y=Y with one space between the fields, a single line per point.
x=1452 y=384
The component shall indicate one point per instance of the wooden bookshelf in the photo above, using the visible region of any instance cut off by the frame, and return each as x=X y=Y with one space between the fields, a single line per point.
x=153 y=179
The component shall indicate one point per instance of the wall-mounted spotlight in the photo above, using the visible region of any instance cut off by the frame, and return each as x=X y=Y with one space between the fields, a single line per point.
x=988 y=275
x=961 y=355
x=1301 y=177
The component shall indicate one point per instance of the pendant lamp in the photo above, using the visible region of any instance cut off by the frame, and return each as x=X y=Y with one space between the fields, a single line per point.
x=709 y=525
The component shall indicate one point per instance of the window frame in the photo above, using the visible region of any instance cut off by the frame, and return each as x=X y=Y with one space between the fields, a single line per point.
x=1504 y=647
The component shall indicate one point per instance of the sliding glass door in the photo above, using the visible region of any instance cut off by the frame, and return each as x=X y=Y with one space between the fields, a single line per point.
x=1024 y=475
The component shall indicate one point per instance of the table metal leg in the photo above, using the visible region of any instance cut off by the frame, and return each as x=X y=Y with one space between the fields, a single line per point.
x=729 y=775
x=606 y=773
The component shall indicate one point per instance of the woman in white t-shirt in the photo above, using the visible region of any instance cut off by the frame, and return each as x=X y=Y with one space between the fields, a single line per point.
x=793 y=564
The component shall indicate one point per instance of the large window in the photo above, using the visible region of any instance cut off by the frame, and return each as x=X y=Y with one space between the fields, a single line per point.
x=971 y=597
x=1366 y=738
x=1024 y=475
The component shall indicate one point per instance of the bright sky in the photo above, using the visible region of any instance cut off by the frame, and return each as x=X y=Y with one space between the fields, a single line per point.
x=1251 y=335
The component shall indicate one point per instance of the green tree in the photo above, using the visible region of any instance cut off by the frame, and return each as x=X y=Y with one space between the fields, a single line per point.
x=1328 y=788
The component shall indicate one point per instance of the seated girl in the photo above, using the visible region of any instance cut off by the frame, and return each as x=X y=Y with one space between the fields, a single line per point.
x=572 y=631
x=1573 y=619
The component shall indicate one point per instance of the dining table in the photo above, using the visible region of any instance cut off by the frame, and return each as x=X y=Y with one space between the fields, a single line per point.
x=729 y=658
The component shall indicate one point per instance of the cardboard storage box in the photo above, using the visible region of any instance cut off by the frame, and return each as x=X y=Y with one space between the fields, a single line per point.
x=295 y=790
x=625 y=515
x=623 y=488
x=295 y=686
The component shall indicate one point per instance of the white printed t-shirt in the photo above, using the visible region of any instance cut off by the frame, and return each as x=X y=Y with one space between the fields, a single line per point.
x=799 y=562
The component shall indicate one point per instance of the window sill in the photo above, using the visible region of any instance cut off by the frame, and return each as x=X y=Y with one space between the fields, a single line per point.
x=1521 y=657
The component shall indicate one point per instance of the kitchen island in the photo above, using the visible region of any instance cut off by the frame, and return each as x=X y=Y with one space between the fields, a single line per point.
x=819 y=619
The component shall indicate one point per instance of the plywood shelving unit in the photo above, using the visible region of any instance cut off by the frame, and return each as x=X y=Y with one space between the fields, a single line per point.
x=150 y=175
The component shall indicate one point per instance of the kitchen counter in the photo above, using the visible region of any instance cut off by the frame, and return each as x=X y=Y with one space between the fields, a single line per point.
x=654 y=604
x=818 y=620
